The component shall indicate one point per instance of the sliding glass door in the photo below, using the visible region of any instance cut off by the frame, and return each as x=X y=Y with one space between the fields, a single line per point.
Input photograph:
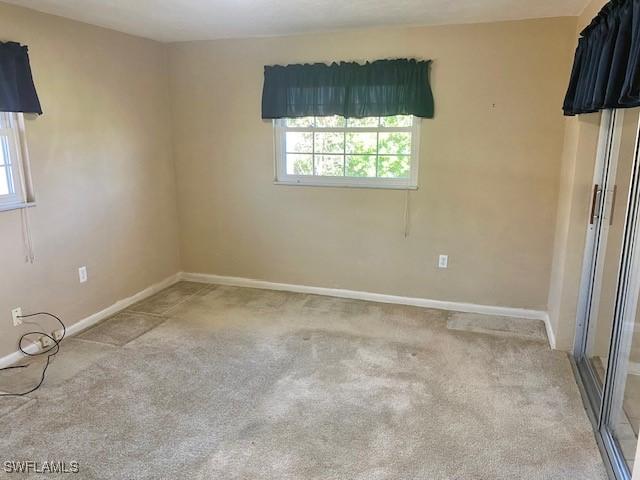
x=606 y=349
x=597 y=305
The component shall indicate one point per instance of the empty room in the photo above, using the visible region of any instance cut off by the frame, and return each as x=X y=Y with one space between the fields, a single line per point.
x=324 y=240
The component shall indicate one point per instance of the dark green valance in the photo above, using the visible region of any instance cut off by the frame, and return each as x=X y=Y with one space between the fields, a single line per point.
x=375 y=89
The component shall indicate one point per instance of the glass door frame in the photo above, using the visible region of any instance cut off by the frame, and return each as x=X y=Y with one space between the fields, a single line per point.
x=600 y=401
x=626 y=304
x=590 y=280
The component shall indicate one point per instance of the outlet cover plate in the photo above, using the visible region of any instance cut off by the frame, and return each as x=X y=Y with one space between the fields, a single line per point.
x=45 y=342
x=16 y=313
x=82 y=274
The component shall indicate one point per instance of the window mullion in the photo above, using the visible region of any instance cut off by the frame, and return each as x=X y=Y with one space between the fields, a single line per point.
x=313 y=147
x=378 y=145
x=344 y=154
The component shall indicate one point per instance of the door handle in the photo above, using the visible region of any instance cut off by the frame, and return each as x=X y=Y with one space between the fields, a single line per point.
x=596 y=197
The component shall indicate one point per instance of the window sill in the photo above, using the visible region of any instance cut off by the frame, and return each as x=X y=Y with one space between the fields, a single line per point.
x=16 y=206
x=344 y=185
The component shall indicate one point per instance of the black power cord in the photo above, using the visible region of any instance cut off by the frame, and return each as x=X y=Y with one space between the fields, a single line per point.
x=49 y=352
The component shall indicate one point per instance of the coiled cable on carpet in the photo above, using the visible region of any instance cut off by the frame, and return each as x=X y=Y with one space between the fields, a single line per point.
x=49 y=352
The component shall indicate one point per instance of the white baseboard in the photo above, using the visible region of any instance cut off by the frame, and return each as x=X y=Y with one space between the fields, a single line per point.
x=377 y=297
x=551 y=335
x=91 y=320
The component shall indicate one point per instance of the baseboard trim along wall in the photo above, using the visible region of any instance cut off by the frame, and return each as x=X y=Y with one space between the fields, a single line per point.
x=91 y=320
x=378 y=297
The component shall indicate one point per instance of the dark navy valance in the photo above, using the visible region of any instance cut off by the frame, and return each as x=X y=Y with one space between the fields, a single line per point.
x=17 y=92
x=380 y=88
x=606 y=69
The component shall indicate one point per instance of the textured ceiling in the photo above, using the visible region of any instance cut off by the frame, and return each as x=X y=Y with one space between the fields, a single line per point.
x=179 y=20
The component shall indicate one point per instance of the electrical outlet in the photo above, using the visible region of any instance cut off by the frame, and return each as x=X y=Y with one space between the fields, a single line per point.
x=443 y=261
x=16 y=315
x=82 y=274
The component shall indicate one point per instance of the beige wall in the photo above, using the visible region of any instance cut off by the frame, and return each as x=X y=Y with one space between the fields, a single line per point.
x=578 y=161
x=102 y=167
x=104 y=177
x=488 y=175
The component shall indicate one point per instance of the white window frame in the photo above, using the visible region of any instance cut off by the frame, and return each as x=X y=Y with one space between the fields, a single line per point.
x=283 y=178
x=15 y=146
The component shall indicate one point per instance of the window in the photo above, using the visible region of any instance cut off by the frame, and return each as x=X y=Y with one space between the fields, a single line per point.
x=14 y=188
x=352 y=152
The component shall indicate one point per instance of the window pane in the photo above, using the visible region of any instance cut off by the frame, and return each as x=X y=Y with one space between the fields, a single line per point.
x=299 y=142
x=330 y=122
x=330 y=165
x=4 y=183
x=371 y=122
x=394 y=143
x=329 y=142
x=397 y=121
x=393 y=166
x=361 y=166
x=302 y=122
x=299 y=164
x=5 y=158
x=365 y=142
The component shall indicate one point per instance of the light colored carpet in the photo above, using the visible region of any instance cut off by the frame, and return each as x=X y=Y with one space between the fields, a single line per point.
x=248 y=384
